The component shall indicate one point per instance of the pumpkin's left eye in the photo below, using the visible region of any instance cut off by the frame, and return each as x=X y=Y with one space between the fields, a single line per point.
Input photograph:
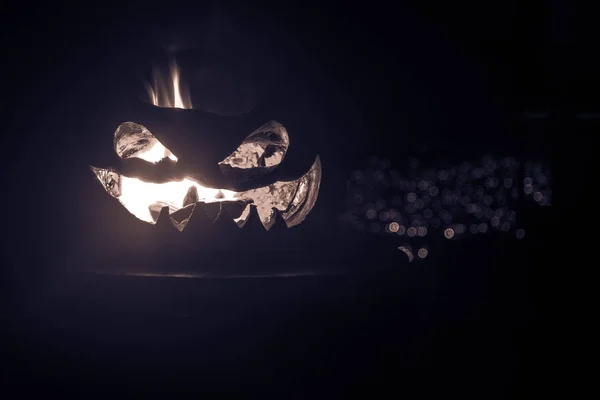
x=135 y=140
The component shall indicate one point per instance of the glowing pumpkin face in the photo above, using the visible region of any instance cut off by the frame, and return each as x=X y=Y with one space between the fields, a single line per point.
x=258 y=155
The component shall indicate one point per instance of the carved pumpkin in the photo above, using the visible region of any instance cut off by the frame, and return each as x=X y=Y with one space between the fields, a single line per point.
x=259 y=154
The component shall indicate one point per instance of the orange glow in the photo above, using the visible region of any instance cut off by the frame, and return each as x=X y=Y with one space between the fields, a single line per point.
x=294 y=199
x=155 y=152
x=168 y=93
x=138 y=196
x=265 y=147
x=134 y=140
x=177 y=100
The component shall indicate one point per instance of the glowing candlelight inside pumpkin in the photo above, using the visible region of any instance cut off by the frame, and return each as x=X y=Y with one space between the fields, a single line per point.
x=261 y=152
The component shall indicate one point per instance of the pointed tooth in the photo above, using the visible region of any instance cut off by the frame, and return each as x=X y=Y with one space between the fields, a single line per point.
x=199 y=221
x=155 y=211
x=238 y=214
x=181 y=217
x=267 y=217
x=212 y=211
x=163 y=222
x=297 y=196
x=253 y=223
x=234 y=209
x=180 y=225
x=278 y=222
x=224 y=223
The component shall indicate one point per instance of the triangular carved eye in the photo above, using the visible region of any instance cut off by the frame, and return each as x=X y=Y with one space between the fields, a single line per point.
x=261 y=152
x=134 y=140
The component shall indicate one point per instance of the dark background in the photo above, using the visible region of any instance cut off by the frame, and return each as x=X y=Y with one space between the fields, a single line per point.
x=431 y=78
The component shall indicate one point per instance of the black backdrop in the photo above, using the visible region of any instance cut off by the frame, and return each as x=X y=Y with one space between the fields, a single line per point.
x=352 y=81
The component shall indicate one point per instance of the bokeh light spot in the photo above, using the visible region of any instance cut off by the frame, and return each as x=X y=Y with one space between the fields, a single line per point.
x=449 y=233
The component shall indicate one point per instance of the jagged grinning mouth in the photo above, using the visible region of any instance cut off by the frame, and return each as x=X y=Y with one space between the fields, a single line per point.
x=259 y=154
